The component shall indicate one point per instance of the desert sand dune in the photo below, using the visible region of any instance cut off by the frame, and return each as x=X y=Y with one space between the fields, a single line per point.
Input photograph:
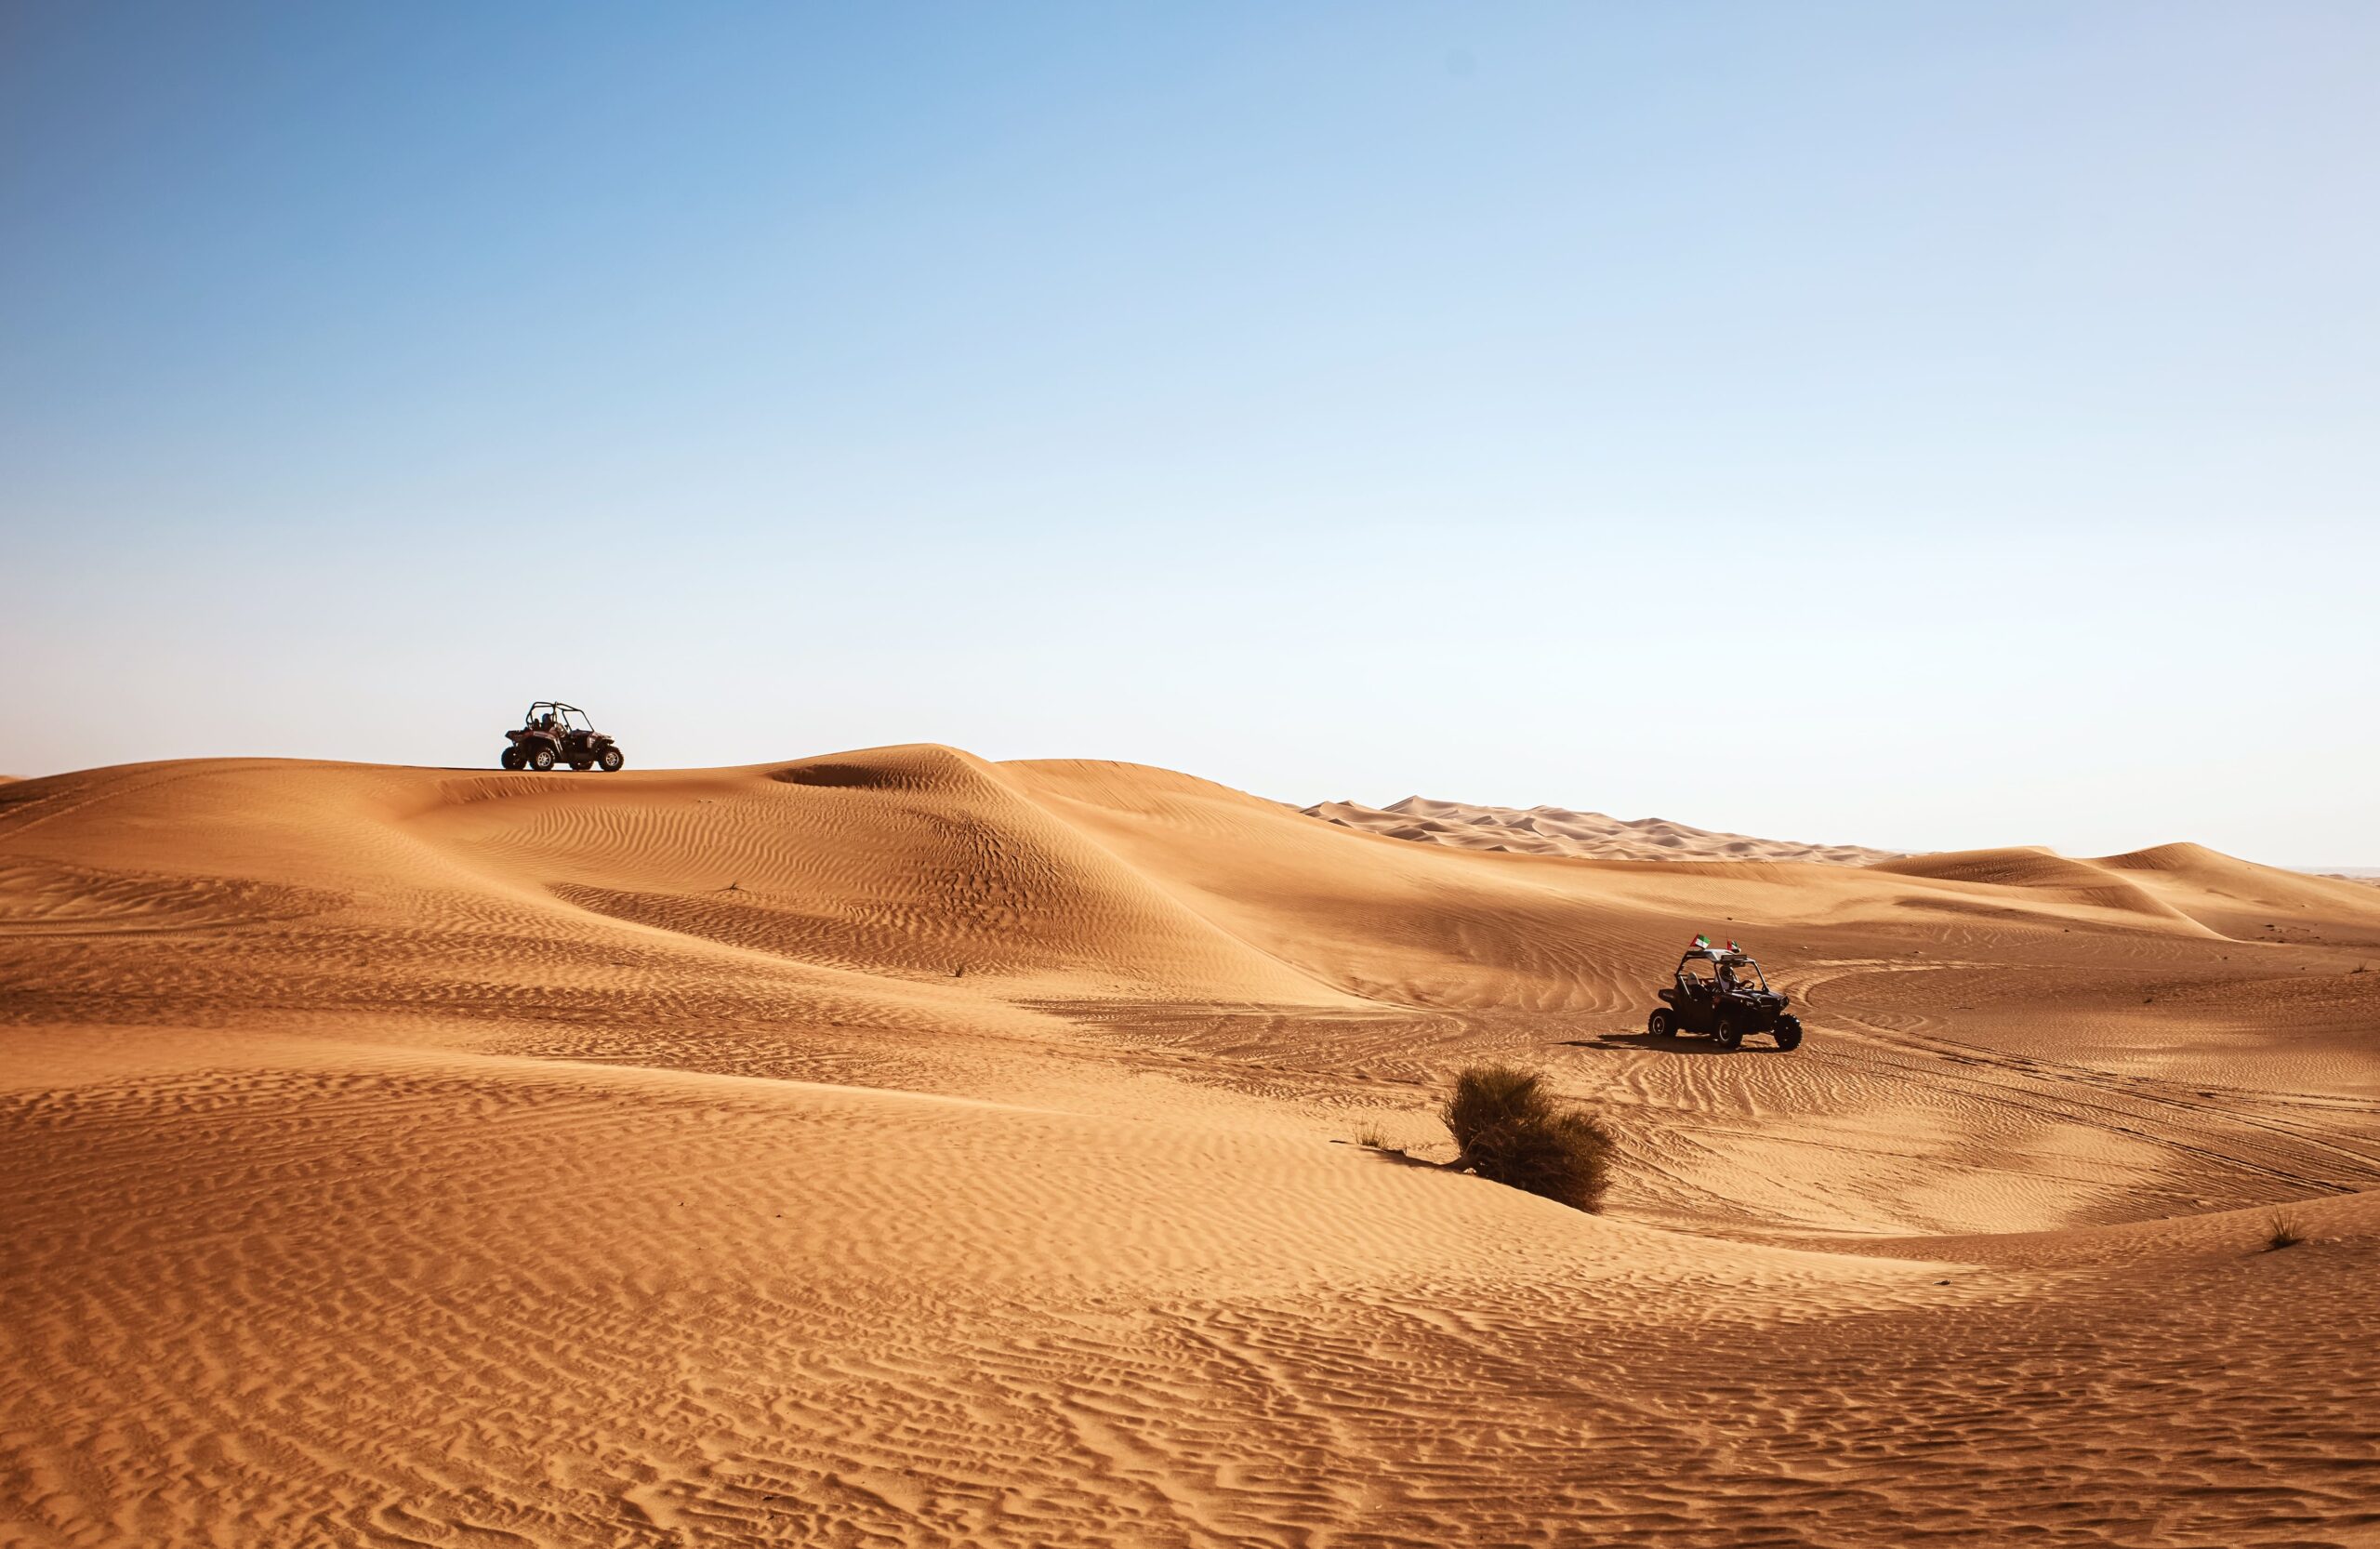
x=1559 y=832
x=2033 y=867
x=894 y=1148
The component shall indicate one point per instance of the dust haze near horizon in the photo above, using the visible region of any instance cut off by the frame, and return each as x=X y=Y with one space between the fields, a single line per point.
x=1916 y=429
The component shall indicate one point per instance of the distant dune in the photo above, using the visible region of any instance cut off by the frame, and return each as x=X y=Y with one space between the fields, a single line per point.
x=893 y=1147
x=1559 y=832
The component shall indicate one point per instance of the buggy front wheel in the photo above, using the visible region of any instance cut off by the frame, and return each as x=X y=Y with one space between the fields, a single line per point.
x=541 y=759
x=1789 y=1032
x=1726 y=1035
x=610 y=760
x=514 y=758
x=1661 y=1024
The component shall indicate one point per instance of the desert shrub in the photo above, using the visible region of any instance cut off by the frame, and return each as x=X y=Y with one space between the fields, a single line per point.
x=1510 y=1131
x=2283 y=1230
x=1371 y=1136
x=1486 y=1095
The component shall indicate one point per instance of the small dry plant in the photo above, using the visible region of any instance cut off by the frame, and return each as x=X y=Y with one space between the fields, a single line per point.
x=2283 y=1230
x=1512 y=1132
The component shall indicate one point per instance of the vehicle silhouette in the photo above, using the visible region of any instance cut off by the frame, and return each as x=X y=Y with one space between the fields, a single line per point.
x=1720 y=991
x=555 y=733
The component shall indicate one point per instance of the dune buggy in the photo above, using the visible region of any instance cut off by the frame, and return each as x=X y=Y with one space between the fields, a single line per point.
x=554 y=733
x=1720 y=991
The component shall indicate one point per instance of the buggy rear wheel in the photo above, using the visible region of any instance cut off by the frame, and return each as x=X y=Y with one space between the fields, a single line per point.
x=541 y=758
x=1661 y=1024
x=610 y=760
x=1789 y=1032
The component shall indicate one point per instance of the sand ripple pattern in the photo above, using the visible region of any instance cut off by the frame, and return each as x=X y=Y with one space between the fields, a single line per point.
x=896 y=1149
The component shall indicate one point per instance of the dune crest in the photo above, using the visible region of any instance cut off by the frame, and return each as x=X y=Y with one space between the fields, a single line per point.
x=1559 y=832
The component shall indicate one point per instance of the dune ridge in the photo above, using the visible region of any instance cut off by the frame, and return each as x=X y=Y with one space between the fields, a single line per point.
x=1560 y=831
x=893 y=1147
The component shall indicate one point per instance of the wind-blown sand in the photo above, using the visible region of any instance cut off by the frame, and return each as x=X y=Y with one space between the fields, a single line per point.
x=893 y=1147
x=1560 y=831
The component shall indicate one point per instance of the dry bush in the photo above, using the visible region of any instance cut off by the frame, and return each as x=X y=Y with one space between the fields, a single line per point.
x=1511 y=1132
x=2283 y=1230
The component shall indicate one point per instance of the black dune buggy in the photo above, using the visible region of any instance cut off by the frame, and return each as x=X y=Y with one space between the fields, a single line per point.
x=554 y=733
x=1720 y=991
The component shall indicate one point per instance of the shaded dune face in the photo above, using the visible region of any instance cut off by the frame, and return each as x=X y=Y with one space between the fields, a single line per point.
x=896 y=1147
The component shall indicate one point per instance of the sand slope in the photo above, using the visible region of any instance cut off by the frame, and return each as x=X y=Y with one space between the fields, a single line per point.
x=894 y=1148
x=1559 y=832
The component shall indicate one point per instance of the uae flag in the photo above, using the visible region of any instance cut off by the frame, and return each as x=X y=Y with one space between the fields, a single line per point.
x=1701 y=941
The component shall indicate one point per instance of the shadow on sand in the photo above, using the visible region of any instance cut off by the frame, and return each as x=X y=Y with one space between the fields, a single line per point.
x=1398 y=1157
x=1690 y=1044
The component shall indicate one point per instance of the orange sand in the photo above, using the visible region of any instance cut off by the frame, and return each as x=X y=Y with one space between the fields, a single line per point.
x=895 y=1148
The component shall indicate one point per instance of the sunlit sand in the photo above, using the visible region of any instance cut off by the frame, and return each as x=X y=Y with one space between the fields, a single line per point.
x=894 y=1148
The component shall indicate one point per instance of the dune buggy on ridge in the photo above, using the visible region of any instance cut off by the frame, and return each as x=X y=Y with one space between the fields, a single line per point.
x=1720 y=990
x=555 y=733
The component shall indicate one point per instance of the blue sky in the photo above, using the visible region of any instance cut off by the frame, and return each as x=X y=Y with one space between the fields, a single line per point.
x=1918 y=426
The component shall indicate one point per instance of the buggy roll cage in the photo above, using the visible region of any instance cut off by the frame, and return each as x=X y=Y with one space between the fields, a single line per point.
x=561 y=713
x=1723 y=957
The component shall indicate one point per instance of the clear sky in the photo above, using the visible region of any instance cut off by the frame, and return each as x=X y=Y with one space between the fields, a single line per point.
x=1916 y=425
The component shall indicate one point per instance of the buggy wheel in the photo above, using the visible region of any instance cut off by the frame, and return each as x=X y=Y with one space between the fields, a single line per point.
x=1661 y=1024
x=582 y=765
x=610 y=760
x=513 y=758
x=1726 y=1034
x=1789 y=1032
x=541 y=758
